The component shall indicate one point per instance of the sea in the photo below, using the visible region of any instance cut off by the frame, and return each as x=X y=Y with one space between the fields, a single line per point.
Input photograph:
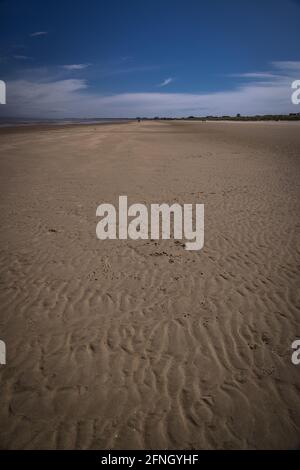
x=13 y=122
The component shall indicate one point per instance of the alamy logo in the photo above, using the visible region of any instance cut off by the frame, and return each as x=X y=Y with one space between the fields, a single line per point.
x=296 y=353
x=296 y=93
x=2 y=353
x=161 y=218
x=2 y=92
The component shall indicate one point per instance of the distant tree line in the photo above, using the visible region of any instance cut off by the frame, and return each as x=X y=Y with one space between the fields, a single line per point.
x=238 y=117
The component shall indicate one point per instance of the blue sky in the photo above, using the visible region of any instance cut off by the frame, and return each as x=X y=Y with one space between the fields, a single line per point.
x=125 y=58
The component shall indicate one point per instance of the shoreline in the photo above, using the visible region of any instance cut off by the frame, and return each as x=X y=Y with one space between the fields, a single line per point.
x=46 y=127
x=55 y=126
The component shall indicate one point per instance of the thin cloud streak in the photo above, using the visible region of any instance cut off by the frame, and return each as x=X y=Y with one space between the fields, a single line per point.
x=287 y=65
x=38 y=33
x=255 y=75
x=22 y=57
x=110 y=71
x=75 y=66
x=166 y=82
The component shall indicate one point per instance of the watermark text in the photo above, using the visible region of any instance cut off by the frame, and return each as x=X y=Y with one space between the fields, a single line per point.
x=296 y=93
x=2 y=353
x=2 y=92
x=187 y=222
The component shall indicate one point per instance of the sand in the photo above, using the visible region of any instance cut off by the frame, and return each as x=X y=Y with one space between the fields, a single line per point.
x=126 y=344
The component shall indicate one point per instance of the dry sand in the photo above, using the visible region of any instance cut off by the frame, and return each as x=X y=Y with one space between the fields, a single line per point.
x=142 y=344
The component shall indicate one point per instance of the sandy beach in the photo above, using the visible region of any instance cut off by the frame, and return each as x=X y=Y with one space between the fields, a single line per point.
x=124 y=344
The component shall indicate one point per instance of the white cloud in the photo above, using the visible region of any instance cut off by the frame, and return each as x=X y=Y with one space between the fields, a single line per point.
x=39 y=33
x=75 y=66
x=255 y=75
x=287 y=65
x=165 y=82
x=72 y=98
